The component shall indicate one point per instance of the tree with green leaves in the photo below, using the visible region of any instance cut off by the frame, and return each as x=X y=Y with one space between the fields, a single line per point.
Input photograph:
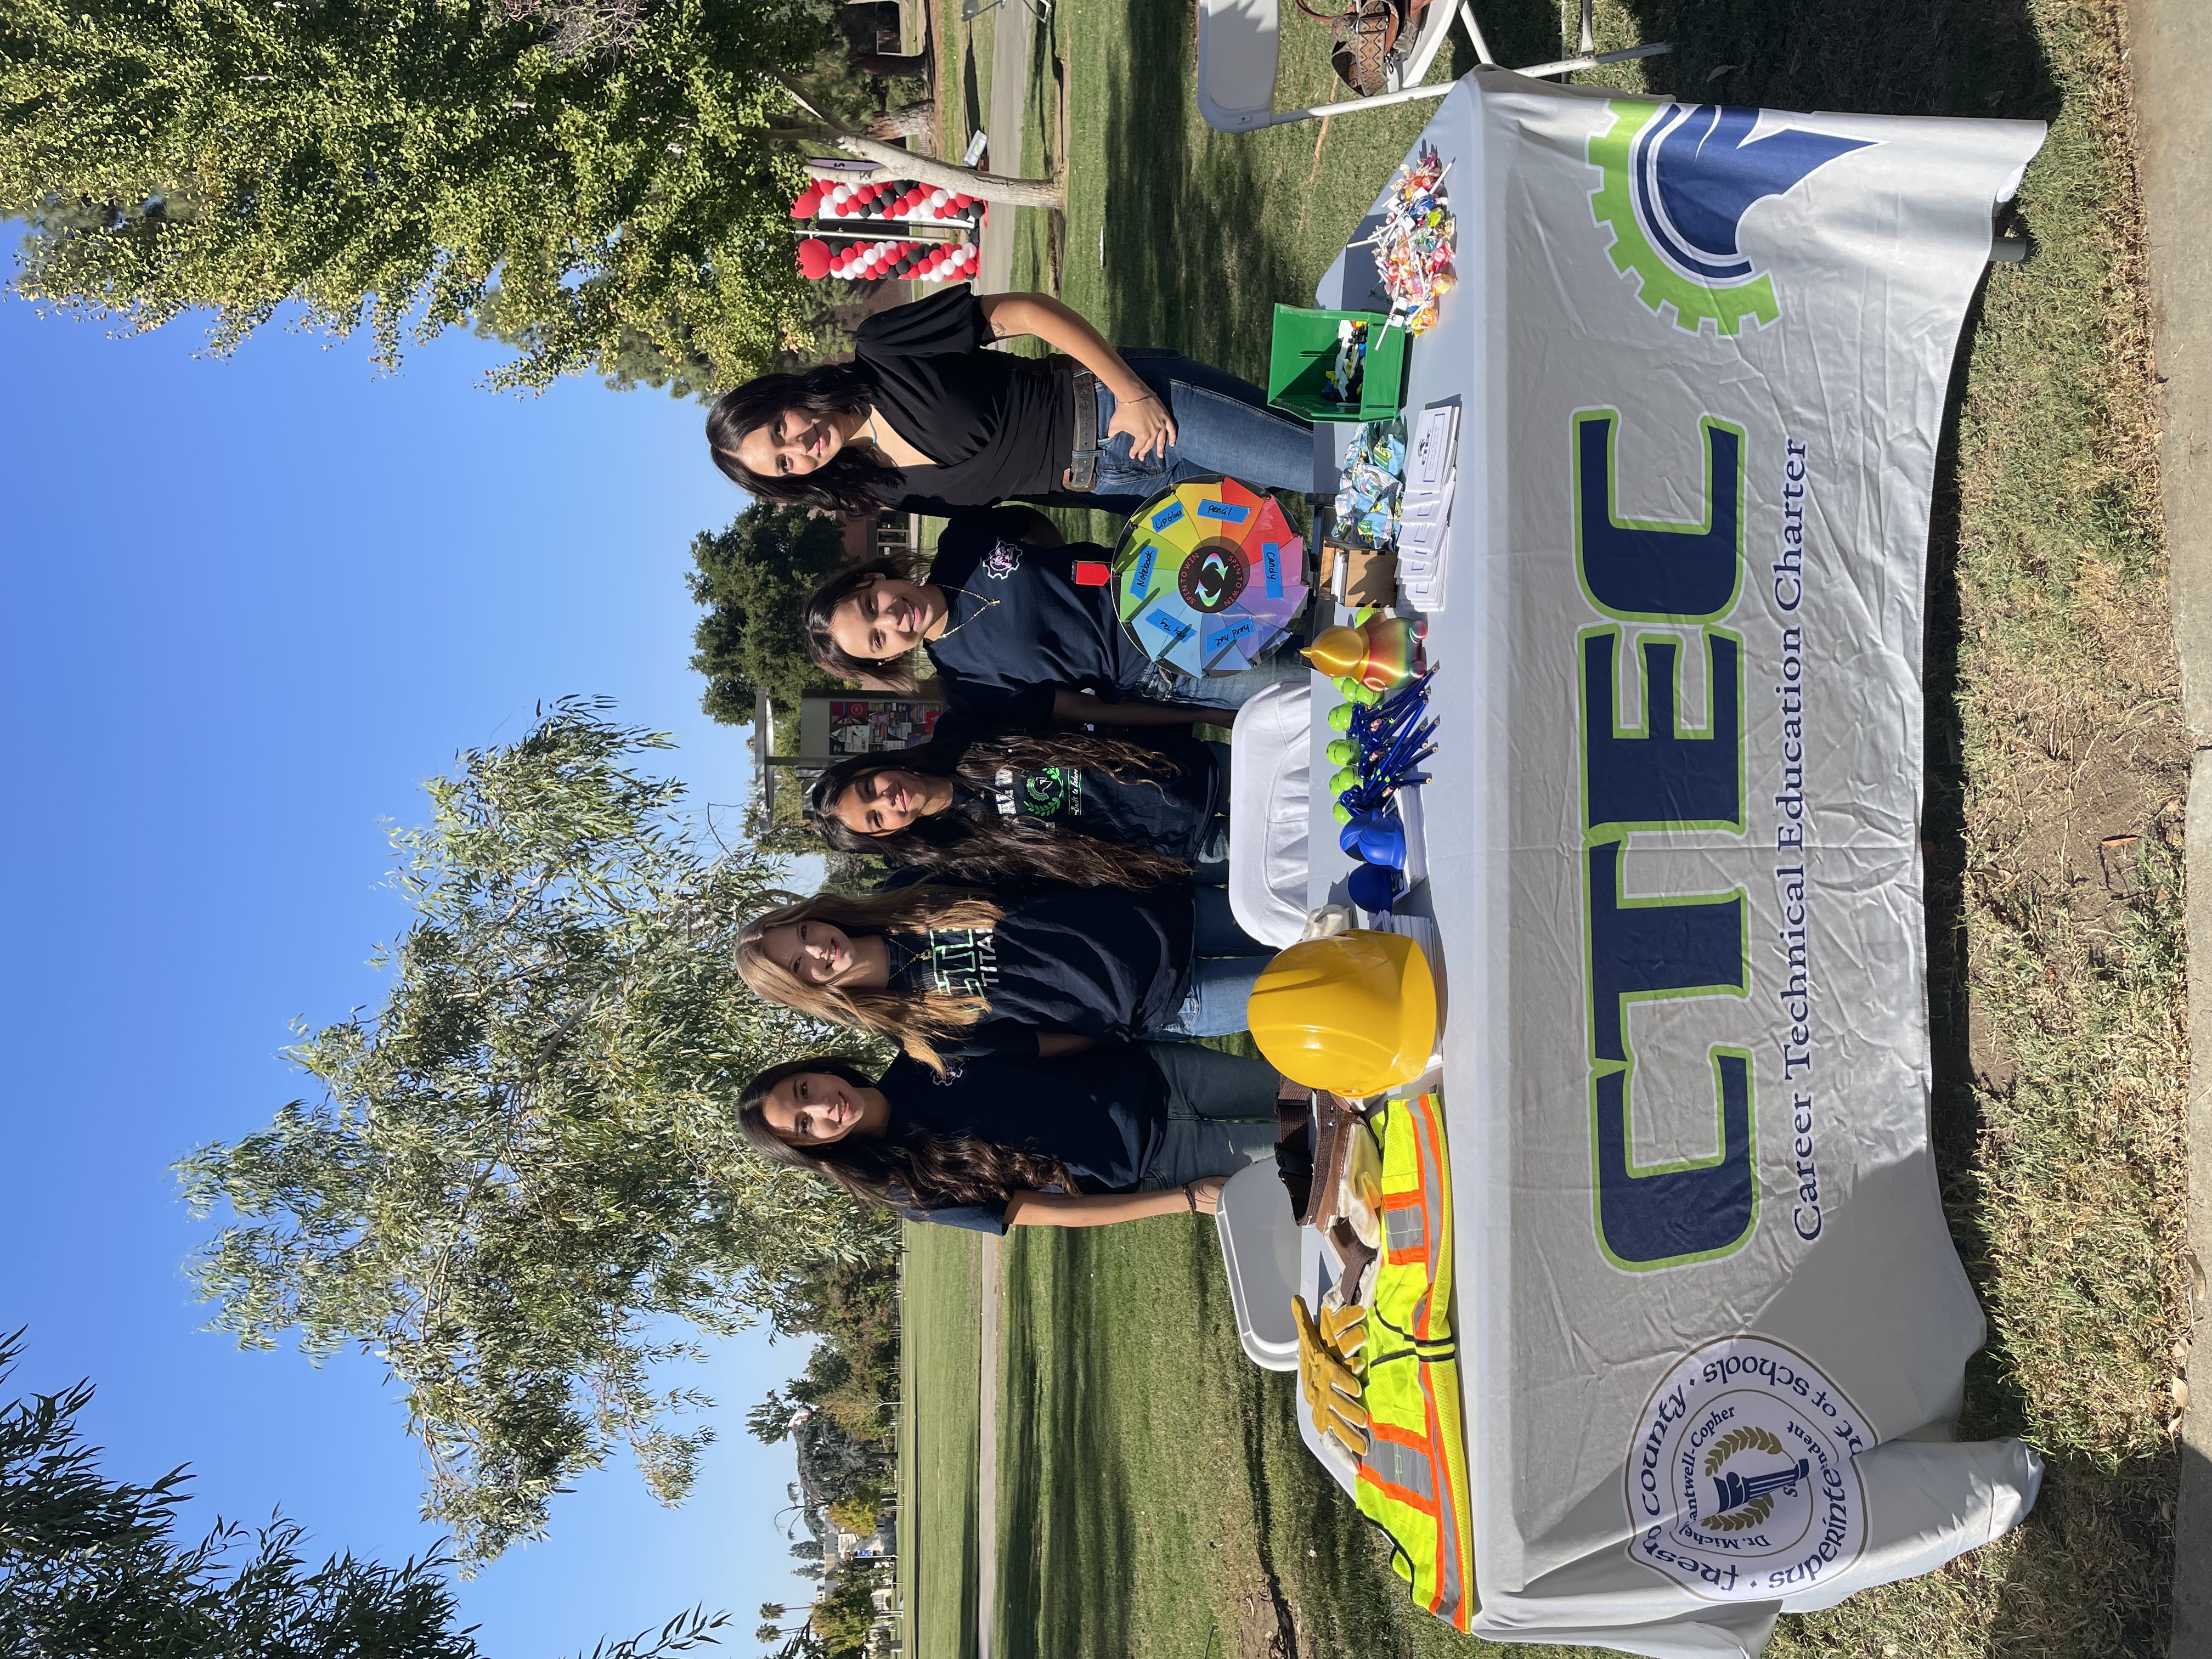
x=620 y=169
x=361 y=161
x=524 y=1172
x=88 y=1566
x=852 y=1372
x=846 y=1611
x=751 y=578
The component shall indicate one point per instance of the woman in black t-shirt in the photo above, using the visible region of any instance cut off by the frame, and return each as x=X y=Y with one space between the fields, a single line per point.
x=1039 y=973
x=1066 y=806
x=925 y=420
x=1130 y=1130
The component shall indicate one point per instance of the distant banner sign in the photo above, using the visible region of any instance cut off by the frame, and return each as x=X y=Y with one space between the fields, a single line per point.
x=1705 y=1287
x=863 y=725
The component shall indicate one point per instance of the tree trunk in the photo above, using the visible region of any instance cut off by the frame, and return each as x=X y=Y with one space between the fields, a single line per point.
x=912 y=66
x=909 y=121
x=891 y=162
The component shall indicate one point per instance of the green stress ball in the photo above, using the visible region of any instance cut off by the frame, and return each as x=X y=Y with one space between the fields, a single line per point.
x=1342 y=779
x=1341 y=812
x=1340 y=718
x=1342 y=751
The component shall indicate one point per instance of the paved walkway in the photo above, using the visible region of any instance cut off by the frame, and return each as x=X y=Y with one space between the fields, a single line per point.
x=1013 y=28
x=986 y=1456
x=2172 y=45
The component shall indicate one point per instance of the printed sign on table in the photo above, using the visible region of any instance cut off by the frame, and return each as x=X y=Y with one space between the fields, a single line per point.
x=1705 y=1287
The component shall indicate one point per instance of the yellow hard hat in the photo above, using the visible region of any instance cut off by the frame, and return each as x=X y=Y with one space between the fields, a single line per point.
x=1355 y=1013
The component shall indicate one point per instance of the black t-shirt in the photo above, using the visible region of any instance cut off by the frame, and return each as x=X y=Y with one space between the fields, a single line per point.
x=1019 y=628
x=997 y=425
x=1170 y=814
x=1100 y=961
x=1102 y=1113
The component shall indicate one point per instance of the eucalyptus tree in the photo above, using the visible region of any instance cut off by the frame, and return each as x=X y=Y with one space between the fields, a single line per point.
x=521 y=1187
x=605 y=184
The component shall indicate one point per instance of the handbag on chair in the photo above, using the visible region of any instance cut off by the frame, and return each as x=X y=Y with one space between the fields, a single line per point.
x=1364 y=39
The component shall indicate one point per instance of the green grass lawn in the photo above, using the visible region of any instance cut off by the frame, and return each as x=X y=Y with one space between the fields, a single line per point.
x=1152 y=1481
x=939 y=1381
x=1153 y=1486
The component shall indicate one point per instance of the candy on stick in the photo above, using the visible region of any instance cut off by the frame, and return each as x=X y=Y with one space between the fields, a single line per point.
x=1414 y=248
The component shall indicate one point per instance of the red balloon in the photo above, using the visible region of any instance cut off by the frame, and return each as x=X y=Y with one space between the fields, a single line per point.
x=813 y=258
x=804 y=204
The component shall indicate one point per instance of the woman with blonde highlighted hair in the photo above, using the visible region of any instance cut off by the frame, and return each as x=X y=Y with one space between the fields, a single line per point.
x=1039 y=972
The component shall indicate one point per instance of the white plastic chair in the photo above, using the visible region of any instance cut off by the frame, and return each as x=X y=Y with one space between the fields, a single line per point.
x=1238 y=43
x=1259 y=1248
x=1269 y=784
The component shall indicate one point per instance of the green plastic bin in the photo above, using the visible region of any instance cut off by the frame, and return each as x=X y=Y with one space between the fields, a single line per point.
x=1304 y=348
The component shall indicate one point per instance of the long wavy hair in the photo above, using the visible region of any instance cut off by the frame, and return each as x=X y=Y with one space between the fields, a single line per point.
x=991 y=849
x=895 y=674
x=915 y=1020
x=931 y=1171
x=848 y=483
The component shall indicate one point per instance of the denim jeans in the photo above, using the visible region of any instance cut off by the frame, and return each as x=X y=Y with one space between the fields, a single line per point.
x=1221 y=1115
x=1228 y=964
x=1227 y=691
x=1223 y=426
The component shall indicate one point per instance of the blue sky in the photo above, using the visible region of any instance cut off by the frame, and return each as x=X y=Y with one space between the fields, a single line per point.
x=251 y=603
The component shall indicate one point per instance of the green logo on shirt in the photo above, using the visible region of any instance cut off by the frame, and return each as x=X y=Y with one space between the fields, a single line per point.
x=963 y=962
x=1054 y=793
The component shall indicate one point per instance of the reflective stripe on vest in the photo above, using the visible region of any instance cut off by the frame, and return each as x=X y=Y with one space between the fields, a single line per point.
x=1413 y=1481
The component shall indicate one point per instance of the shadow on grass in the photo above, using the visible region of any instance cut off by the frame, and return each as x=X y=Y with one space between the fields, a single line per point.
x=2092 y=1574
x=1869 y=56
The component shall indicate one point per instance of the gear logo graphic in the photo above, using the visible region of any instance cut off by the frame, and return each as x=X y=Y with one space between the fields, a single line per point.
x=1677 y=179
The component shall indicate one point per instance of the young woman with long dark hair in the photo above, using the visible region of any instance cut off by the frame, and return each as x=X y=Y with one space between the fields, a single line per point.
x=925 y=420
x=1042 y=972
x=1068 y=807
x=1128 y=1131
x=1017 y=638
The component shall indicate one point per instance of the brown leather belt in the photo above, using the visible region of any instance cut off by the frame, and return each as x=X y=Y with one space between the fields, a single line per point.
x=1083 y=464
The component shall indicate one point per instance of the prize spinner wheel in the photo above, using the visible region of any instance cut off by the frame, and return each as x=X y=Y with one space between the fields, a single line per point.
x=1209 y=577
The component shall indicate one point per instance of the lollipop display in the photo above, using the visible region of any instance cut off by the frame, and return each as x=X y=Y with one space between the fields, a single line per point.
x=1208 y=577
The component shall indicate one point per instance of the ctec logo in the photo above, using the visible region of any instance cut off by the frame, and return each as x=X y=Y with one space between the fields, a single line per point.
x=1677 y=180
x=1660 y=775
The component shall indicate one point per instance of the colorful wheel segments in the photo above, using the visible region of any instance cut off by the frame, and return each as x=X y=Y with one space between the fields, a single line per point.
x=1208 y=577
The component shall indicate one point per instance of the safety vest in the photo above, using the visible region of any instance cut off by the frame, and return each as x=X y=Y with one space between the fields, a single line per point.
x=1412 y=1482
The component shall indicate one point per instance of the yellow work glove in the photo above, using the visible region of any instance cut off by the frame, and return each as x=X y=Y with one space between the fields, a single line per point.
x=1345 y=1331
x=1326 y=1379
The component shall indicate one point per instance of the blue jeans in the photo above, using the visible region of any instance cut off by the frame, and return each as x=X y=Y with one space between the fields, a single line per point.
x=1229 y=962
x=1223 y=426
x=1221 y=1115
x=1227 y=691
